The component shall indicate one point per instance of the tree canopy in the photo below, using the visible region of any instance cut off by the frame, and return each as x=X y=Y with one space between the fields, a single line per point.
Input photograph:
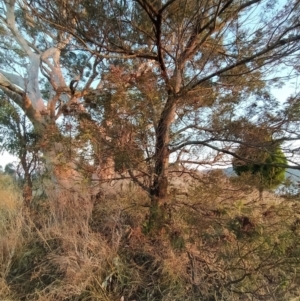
x=133 y=85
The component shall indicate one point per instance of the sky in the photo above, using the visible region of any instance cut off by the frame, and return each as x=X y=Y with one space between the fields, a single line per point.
x=6 y=158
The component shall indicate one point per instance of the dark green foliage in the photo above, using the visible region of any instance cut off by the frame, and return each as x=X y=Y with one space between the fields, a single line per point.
x=10 y=169
x=268 y=165
x=128 y=158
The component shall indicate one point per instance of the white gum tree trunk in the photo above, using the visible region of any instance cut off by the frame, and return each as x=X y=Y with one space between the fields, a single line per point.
x=24 y=89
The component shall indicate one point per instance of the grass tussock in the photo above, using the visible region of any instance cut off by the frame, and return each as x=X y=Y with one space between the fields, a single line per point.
x=217 y=243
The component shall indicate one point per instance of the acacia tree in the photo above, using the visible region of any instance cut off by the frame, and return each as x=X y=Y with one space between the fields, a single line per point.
x=202 y=58
x=262 y=165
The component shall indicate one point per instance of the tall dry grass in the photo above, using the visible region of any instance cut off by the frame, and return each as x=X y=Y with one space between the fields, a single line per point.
x=219 y=243
x=11 y=238
x=48 y=252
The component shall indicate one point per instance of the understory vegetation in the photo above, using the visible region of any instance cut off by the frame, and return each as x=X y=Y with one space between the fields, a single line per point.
x=218 y=242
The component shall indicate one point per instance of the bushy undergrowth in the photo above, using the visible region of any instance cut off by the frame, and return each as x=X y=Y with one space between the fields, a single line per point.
x=218 y=243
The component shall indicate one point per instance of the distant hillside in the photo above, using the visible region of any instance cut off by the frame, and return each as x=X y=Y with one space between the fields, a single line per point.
x=293 y=174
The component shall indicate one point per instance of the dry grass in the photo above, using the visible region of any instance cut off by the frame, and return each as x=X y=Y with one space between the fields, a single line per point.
x=219 y=243
x=11 y=220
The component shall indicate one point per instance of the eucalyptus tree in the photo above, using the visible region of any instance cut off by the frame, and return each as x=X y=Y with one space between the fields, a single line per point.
x=189 y=66
x=203 y=53
x=40 y=69
x=17 y=137
x=39 y=74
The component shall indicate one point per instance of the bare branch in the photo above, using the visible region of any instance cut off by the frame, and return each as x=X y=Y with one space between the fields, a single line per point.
x=6 y=84
x=267 y=49
x=136 y=180
x=233 y=154
x=11 y=24
x=165 y=6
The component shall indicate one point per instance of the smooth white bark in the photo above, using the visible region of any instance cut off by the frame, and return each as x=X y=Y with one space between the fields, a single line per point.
x=25 y=90
x=14 y=78
x=30 y=83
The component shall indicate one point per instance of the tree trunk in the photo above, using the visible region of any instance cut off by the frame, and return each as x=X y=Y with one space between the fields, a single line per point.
x=106 y=164
x=27 y=190
x=159 y=188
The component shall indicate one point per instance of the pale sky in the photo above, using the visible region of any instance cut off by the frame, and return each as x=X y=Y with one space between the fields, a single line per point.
x=7 y=158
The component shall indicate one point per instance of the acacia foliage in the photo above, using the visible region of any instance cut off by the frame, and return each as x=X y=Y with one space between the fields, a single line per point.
x=267 y=165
